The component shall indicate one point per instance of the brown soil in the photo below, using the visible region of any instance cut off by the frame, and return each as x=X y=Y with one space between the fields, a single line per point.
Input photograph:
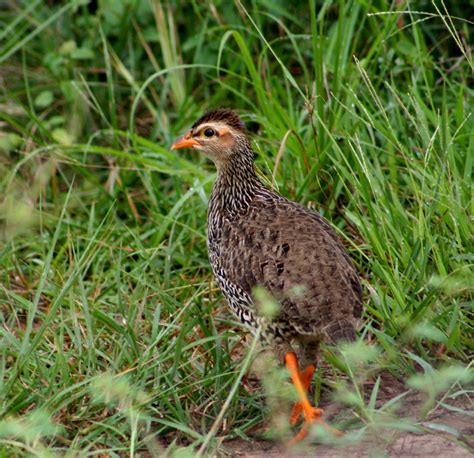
x=401 y=444
x=453 y=438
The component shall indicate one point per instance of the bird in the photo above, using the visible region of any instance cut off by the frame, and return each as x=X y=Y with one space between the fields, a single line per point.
x=258 y=238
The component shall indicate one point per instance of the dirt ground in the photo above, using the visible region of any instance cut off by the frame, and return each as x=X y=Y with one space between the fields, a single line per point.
x=398 y=445
x=452 y=438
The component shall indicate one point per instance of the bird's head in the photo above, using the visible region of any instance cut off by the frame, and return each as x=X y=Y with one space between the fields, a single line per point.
x=219 y=134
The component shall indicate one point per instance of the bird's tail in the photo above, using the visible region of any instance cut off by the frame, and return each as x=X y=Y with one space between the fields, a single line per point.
x=341 y=330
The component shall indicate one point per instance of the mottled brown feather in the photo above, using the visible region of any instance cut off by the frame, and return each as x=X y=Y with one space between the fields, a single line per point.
x=295 y=255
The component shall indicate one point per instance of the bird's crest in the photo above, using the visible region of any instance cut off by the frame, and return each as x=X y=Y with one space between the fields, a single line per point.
x=225 y=115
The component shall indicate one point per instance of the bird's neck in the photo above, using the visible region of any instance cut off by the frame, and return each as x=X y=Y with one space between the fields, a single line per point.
x=236 y=185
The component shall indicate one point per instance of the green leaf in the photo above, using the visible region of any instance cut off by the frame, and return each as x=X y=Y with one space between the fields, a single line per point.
x=9 y=142
x=83 y=54
x=428 y=331
x=62 y=137
x=68 y=47
x=44 y=99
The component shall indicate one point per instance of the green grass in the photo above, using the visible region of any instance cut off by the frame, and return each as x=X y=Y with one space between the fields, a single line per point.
x=114 y=338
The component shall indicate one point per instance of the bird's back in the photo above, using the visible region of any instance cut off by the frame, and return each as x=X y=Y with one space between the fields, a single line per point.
x=295 y=255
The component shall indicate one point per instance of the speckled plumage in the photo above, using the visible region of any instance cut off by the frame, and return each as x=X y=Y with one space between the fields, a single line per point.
x=258 y=238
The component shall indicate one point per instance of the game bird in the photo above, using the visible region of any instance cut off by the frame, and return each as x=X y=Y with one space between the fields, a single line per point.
x=257 y=238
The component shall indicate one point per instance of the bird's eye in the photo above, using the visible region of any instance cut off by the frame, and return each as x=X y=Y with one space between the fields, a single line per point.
x=209 y=132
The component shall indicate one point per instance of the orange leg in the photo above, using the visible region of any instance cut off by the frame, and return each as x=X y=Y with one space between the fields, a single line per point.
x=311 y=414
x=306 y=376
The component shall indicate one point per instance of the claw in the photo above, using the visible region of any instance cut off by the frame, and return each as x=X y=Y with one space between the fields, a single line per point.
x=312 y=415
x=296 y=412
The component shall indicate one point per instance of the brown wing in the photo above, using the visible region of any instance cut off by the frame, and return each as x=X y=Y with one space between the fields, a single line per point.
x=294 y=254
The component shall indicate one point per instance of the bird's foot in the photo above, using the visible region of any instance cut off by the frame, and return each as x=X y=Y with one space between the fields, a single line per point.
x=296 y=412
x=298 y=409
x=314 y=415
x=311 y=417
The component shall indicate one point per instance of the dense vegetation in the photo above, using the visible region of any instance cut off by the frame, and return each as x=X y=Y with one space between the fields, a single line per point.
x=113 y=335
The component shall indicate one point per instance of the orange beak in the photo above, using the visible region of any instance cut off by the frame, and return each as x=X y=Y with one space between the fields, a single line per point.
x=184 y=142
